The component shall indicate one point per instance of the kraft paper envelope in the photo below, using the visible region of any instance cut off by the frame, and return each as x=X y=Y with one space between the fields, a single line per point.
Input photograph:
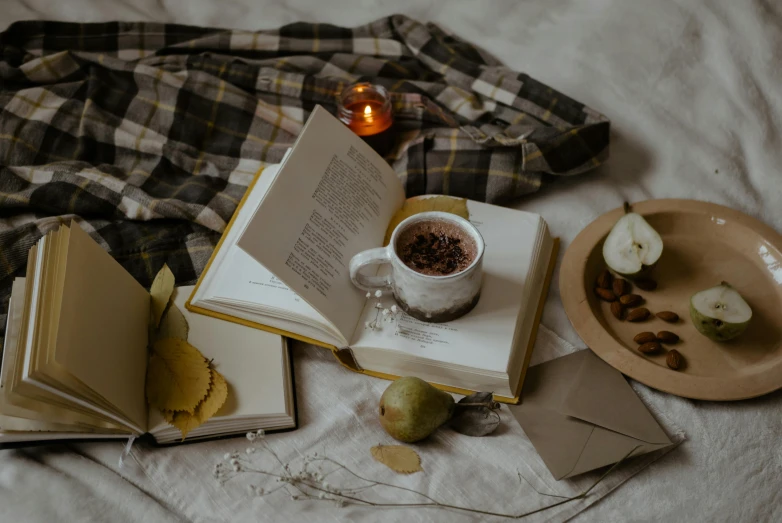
x=581 y=414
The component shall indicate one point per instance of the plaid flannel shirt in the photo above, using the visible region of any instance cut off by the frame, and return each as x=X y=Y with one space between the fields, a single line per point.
x=148 y=134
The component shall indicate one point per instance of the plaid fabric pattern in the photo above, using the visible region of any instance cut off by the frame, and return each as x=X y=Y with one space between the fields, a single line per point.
x=148 y=134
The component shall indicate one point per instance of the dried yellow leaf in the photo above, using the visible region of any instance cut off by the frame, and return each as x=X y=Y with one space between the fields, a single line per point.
x=217 y=395
x=161 y=290
x=398 y=458
x=417 y=204
x=182 y=420
x=172 y=325
x=178 y=376
x=185 y=422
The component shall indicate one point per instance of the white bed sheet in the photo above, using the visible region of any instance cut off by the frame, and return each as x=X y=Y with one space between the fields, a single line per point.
x=692 y=89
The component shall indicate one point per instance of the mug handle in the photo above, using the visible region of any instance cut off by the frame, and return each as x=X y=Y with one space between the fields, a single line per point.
x=370 y=257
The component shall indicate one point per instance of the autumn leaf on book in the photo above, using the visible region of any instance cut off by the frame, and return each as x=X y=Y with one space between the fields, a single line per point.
x=161 y=291
x=173 y=325
x=419 y=204
x=180 y=382
x=208 y=407
x=178 y=376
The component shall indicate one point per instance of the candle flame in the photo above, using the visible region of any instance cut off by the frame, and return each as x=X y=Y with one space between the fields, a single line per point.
x=367 y=110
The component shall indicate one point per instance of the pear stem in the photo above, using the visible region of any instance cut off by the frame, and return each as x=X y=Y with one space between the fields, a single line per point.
x=626 y=208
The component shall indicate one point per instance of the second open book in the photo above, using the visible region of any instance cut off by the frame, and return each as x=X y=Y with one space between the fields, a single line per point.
x=75 y=354
x=282 y=265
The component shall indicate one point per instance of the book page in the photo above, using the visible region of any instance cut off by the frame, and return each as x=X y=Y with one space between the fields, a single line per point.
x=236 y=276
x=64 y=235
x=483 y=338
x=32 y=410
x=43 y=331
x=332 y=198
x=251 y=361
x=43 y=371
x=243 y=279
x=102 y=335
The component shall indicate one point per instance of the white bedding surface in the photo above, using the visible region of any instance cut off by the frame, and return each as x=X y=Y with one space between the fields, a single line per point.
x=692 y=89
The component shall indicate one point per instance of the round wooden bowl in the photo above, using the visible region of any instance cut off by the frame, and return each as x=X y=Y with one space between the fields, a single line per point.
x=704 y=244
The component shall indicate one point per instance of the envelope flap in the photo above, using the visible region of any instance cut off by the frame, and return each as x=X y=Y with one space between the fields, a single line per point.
x=606 y=447
x=559 y=439
x=601 y=395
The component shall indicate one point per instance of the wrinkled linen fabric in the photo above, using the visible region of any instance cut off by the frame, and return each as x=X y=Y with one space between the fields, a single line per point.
x=691 y=88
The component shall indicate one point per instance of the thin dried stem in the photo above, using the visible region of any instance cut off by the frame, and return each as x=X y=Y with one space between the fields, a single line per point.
x=269 y=449
x=536 y=490
x=375 y=482
x=305 y=485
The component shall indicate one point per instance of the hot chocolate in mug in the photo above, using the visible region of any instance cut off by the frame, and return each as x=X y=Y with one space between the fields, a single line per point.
x=436 y=261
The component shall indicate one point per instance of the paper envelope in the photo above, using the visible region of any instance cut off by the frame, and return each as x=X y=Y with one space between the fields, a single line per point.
x=581 y=414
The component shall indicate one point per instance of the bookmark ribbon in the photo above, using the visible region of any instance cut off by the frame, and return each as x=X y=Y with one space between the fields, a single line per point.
x=126 y=451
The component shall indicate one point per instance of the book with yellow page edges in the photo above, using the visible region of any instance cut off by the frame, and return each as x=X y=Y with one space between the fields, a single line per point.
x=282 y=265
x=75 y=355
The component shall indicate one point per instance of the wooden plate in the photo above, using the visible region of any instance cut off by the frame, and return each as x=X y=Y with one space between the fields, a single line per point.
x=704 y=244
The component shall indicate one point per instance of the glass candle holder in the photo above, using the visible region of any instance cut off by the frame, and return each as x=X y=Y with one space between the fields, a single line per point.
x=366 y=110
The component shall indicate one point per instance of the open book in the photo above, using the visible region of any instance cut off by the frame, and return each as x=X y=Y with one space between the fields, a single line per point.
x=75 y=354
x=282 y=265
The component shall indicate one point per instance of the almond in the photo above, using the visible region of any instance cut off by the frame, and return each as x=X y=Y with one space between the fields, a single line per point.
x=667 y=337
x=621 y=287
x=605 y=294
x=646 y=284
x=670 y=317
x=650 y=347
x=674 y=359
x=617 y=310
x=644 y=337
x=638 y=314
x=631 y=300
x=604 y=280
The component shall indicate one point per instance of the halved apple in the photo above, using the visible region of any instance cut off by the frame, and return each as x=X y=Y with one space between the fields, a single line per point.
x=720 y=313
x=633 y=247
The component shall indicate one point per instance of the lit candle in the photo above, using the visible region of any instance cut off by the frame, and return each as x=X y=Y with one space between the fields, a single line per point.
x=366 y=110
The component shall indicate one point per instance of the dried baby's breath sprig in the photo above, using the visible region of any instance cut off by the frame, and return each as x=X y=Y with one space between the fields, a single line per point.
x=301 y=483
x=382 y=315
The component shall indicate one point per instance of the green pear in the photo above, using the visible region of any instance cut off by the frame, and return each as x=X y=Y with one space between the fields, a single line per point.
x=720 y=313
x=411 y=409
x=633 y=247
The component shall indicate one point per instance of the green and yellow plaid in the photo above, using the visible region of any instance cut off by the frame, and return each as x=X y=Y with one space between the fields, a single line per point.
x=148 y=134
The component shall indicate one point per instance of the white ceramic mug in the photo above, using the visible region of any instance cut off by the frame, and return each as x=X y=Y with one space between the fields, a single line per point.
x=429 y=298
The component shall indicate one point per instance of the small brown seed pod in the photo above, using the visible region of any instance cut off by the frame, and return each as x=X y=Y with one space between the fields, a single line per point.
x=667 y=337
x=638 y=314
x=605 y=279
x=631 y=300
x=605 y=294
x=674 y=359
x=670 y=317
x=649 y=348
x=644 y=337
x=617 y=310
x=621 y=287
